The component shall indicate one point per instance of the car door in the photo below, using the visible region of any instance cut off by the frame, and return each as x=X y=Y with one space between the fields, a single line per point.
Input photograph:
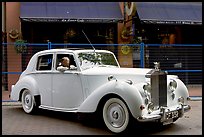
x=67 y=88
x=43 y=78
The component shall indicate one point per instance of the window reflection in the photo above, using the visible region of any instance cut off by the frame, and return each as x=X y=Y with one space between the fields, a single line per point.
x=96 y=59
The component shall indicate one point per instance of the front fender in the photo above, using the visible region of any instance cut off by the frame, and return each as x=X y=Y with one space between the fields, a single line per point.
x=127 y=92
x=181 y=91
x=27 y=82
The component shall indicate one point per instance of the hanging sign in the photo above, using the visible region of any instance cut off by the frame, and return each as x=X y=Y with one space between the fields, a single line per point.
x=125 y=49
x=13 y=33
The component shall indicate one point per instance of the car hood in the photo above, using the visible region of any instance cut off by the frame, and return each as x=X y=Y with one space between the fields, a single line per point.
x=116 y=71
x=97 y=76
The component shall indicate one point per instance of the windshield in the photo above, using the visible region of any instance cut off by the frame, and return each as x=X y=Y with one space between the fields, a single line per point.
x=96 y=59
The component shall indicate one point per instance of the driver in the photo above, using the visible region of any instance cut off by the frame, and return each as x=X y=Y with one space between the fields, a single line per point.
x=65 y=64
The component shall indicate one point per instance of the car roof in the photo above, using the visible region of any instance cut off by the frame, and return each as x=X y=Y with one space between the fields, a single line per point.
x=74 y=50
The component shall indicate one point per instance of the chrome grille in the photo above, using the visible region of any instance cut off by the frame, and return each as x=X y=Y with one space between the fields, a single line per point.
x=158 y=87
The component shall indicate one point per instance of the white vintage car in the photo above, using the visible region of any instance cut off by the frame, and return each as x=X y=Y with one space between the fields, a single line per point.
x=94 y=82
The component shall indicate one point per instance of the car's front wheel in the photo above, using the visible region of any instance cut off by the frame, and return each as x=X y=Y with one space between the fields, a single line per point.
x=28 y=102
x=116 y=115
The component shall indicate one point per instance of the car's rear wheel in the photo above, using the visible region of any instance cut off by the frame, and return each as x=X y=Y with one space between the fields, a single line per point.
x=116 y=115
x=28 y=102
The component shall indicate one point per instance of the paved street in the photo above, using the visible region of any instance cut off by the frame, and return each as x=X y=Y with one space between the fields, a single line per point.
x=16 y=122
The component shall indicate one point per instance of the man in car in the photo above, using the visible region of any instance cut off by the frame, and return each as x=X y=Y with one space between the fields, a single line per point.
x=65 y=64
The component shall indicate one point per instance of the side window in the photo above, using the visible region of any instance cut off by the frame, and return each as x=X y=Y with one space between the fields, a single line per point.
x=60 y=59
x=44 y=62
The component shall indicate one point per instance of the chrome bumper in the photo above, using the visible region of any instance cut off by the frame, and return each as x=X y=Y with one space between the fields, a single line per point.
x=163 y=113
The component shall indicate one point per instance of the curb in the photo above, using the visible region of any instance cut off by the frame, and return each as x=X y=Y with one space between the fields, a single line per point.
x=10 y=103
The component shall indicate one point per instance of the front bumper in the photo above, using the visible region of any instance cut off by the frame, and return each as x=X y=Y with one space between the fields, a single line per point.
x=165 y=114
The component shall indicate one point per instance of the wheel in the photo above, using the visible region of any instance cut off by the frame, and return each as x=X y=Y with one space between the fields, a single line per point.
x=116 y=115
x=28 y=102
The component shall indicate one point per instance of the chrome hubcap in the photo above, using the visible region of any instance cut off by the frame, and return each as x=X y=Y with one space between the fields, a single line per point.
x=116 y=115
x=28 y=101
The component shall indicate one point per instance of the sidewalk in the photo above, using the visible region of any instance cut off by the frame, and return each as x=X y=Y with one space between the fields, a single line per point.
x=195 y=92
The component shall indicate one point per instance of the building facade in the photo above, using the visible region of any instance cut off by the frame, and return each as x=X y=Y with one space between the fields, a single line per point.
x=103 y=22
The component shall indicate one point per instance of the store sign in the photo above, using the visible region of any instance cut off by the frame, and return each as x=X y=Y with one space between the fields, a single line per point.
x=170 y=22
x=70 y=20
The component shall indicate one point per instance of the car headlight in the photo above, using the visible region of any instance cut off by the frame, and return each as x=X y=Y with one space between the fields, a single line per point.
x=150 y=107
x=147 y=87
x=146 y=101
x=172 y=85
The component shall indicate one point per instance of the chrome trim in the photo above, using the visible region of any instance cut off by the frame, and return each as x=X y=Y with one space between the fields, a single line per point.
x=129 y=82
x=111 y=77
x=181 y=100
x=149 y=118
x=161 y=116
x=58 y=109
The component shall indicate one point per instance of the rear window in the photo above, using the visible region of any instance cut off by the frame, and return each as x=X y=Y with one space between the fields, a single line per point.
x=44 y=62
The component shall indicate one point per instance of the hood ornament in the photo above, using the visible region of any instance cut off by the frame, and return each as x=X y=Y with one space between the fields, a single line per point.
x=156 y=65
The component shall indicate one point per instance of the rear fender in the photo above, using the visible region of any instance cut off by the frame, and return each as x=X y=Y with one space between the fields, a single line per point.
x=26 y=82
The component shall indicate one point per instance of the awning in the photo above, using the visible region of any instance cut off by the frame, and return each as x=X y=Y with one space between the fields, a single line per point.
x=71 y=11
x=170 y=12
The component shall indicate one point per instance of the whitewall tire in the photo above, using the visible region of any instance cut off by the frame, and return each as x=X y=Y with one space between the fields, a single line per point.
x=116 y=115
x=28 y=102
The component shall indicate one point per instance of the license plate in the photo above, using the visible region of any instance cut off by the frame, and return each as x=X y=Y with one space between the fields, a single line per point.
x=172 y=114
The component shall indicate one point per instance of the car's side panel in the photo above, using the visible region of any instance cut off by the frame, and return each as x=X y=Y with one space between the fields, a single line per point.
x=27 y=82
x=44 y=84
x=127 y=92
x=67 y=89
